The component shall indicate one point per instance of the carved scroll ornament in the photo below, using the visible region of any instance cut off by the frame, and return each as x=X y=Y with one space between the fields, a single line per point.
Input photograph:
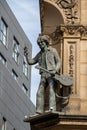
x=75 y=30
x=70 y=9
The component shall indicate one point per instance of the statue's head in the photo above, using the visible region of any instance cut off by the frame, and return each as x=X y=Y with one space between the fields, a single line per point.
x=43 y=38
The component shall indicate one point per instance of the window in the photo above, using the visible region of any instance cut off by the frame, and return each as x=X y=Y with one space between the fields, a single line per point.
x=4 y=124
x=2 y=59
x=25 y=67
x=15 y=50
x=24 y=88
x=3 y=32
x=15 y=76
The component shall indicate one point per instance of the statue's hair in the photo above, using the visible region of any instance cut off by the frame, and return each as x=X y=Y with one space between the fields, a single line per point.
x=45 y=38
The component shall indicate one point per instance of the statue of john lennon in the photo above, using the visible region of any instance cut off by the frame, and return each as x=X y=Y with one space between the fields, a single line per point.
x=47 y=58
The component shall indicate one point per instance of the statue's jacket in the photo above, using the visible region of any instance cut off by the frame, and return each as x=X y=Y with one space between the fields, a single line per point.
x=52 y=59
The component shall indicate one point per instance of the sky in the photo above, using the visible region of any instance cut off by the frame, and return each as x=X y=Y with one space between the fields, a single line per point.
x=28 y=15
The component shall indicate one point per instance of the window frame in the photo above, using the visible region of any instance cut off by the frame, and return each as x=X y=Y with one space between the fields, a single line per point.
x=14 y=74
x=25 y=89
x=4 y=124
x=3 y=32
x=3 y=59
x=25 y=67
x=15 y=53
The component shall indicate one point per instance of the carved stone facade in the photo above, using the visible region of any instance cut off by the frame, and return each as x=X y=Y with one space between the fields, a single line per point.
x=69 y=8
x=67 y=27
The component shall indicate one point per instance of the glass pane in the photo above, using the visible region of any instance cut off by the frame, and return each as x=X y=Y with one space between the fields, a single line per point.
x=4 y=125
x=15 y=51
x=4 y=40
x=3 y=33
x=2 y=59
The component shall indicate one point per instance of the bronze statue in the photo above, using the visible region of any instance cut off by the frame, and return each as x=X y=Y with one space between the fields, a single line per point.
x=47 y=58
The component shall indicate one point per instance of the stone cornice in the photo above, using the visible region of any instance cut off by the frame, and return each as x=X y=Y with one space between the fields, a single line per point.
x=74 y=30
x=56 y=120
x=57 y=115
x=61 y=31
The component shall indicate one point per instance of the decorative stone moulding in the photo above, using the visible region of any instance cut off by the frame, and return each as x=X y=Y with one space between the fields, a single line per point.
x=71 y=10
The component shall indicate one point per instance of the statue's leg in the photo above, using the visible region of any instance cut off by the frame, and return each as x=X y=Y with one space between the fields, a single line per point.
x=52 y=97
x=40 y=98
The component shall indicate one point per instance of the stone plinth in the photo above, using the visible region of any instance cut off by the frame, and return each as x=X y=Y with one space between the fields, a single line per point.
x=57 y=121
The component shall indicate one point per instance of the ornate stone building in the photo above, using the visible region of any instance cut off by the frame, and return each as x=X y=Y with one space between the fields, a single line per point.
x=65 y=22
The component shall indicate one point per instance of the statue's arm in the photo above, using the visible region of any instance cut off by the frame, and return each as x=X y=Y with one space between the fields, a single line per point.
x=31 y=61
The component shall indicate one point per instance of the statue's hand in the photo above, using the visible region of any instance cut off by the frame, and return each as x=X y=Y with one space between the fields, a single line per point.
x=53 y=72
x=25 y=51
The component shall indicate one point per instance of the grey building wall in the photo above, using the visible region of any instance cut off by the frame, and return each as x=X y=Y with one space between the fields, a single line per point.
x=14 y=103
x=14 y=29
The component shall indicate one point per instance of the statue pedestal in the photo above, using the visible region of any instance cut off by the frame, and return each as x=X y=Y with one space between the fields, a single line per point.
x=57 y=121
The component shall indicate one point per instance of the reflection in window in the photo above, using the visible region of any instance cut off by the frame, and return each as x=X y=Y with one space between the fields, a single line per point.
x=2 y=59
x=3 y=32
x=15 y=50
x=4 y=124
x=15 y=76
x=25 y=67
x=24 y=88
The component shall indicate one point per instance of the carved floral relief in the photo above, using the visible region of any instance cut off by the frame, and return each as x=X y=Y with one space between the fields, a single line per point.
x=70 y=9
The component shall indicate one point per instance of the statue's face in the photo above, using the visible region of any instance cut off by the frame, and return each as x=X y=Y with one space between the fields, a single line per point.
x=42 y=44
